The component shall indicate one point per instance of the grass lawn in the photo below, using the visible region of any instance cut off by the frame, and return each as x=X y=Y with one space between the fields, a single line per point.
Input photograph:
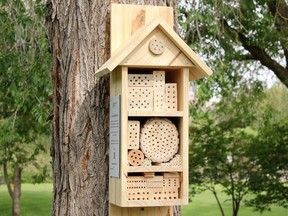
x=205 y=204
x=35 y=200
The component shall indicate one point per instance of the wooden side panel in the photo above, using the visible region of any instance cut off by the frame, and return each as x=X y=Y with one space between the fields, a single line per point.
x=124 y=131
x=184 y=139
x=127 y=19
x=115 y=89
x=118 y=86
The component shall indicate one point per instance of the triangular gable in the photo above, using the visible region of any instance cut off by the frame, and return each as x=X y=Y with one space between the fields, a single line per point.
x=172 y=56
x=198 y=69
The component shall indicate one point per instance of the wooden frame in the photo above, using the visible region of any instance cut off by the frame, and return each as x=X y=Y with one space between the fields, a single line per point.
x=118 y=186
x=143 y=41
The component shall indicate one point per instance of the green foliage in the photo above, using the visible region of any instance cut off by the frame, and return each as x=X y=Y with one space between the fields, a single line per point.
x=24 y=70
x=241 y=144
x=206 y=23
x=251 y=32
x=271 y=165
x=277 y=99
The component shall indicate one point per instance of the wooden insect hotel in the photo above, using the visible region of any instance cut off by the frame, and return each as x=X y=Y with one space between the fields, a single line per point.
x=150 y=69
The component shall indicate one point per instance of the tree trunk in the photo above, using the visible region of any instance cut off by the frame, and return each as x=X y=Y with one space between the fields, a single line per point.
x=214 y=192
x=14 y=193
x=79 y=37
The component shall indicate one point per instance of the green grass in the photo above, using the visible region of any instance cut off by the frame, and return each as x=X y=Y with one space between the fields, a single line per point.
x=204 y=204
x=36 y=200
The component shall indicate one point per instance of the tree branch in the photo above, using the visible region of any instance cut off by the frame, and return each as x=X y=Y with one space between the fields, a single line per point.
x=260 y=55
x=214 y=192
x=6 y=176
x=280 y=12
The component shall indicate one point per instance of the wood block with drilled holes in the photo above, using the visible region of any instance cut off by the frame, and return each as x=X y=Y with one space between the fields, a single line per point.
x=145 y=104
x=140 y=92
x=171 y=96
x=159 y=140
x=164 y=187
x=154 y=182
x=133 y=134
x=159 y=78
x=159 y=90
x=143 y=80
x=135 y=157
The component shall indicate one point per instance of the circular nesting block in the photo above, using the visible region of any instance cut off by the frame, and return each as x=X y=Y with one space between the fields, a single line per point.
x=135 y=157
x=156 y=46
x=159 y=140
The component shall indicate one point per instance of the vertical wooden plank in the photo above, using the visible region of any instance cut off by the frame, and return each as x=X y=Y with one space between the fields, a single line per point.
x=115 y=89
x=185 y=135
x=132 y=18
x=112 y=189
x=124 y=138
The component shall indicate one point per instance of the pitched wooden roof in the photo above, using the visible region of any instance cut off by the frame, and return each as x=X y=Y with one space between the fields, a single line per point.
x=177 y=53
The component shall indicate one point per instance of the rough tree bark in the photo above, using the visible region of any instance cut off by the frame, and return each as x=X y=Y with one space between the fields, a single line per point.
x=15 y=192
x=78 y=32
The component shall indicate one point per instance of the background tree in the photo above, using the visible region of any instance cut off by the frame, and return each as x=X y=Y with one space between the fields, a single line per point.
x=220 y=137
x=236 y=143
x=24 y=63
x=78 y=32
x=239 y=39
x=245 y=31
x=271 y=145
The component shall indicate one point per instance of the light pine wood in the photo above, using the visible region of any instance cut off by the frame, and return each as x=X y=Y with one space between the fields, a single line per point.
x=171 y=96
x=133 y=134
x=197 y=68
x=132 y=18
x=151 y=67
x=140 y=80
x=155 y=168
x=184 y=137
x=151 y=189
x=159 y=90
x=150 y=204
x=180 y=79
x=135 y=157
x=159 y=140
x=140 y=211
x=140 y=92
x=166 y=113
x=116 y=89
x=140 y=104
x=124 y=139
x=172 y=55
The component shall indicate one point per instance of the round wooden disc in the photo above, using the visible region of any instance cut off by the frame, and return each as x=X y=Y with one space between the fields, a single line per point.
x=159 y=140
x=156 y=46
x=135 y=157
